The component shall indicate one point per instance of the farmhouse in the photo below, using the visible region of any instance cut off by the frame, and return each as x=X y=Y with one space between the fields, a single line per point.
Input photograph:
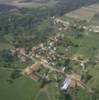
x=72 y=80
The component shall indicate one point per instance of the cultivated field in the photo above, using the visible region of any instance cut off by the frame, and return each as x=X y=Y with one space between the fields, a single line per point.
x=21 y=3
x=33 y=4
x=84 y=13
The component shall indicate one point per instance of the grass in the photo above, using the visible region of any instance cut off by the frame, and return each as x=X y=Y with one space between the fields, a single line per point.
x=20 y=89
x=80 y=94
x=41 y=96
x=88 y=45
x=95 y=76
x=4 y=46
x=24 y=89
x=52 y=91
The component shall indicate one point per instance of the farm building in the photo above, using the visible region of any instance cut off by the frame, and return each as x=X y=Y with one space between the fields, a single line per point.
x=66 y=84
x=72 y=80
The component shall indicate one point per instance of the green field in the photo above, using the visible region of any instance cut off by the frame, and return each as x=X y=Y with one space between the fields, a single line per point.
x=23 y=89
x=19 y=89
x=88 y=45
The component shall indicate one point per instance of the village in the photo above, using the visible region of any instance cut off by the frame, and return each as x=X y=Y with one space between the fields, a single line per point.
x=49 y=50
x=45 y=60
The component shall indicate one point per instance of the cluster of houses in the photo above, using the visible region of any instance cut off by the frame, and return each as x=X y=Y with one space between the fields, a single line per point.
x=19 y=52
x=31 y=71
x=67 y=24
x=44 y=52
x=57 y=21
x=93 y=28
x=81 y=59
x=48 y=50
x=46 y=56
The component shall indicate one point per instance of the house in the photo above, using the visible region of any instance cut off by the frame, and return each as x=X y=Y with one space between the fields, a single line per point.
x=31 y=71
x=76 y=78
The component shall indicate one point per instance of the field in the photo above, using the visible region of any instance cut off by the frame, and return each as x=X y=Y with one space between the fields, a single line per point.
x=33 y=4
x=23 y=89
x=4 y=46
x=30 y=4
x=20 y=89
x=88 y=45
x=84 y=13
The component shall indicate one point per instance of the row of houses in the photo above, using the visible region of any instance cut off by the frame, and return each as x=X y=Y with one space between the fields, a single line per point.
x=94 y=28
x=65 y=24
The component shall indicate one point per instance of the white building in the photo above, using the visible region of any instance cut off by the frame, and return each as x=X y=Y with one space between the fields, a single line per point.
x=66 y=84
